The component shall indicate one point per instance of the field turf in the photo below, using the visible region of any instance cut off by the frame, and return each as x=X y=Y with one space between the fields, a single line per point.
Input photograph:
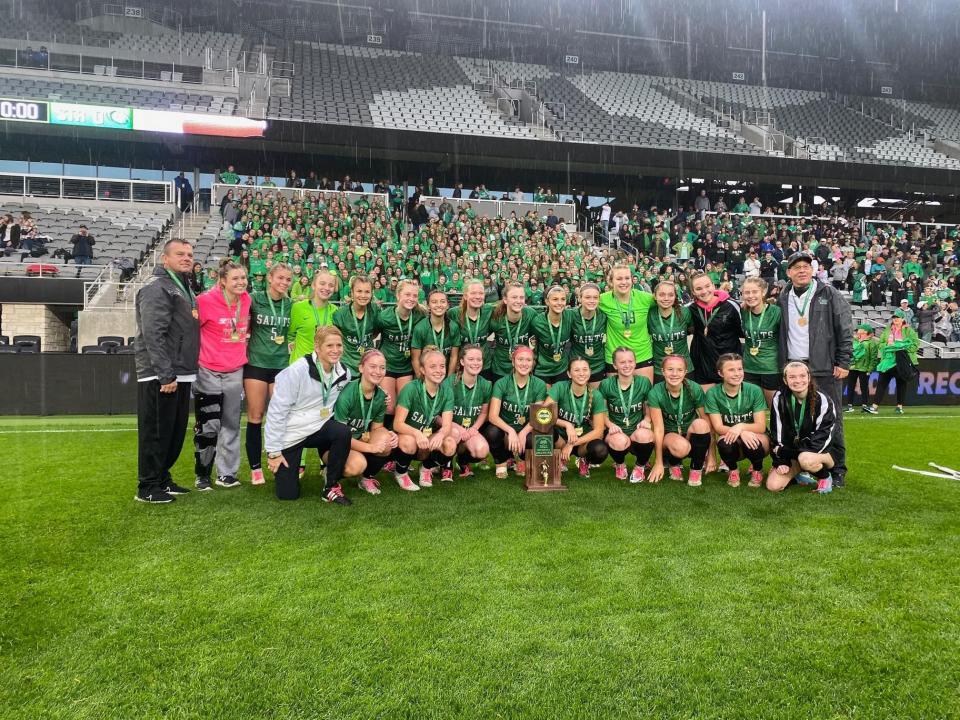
x=477 y=599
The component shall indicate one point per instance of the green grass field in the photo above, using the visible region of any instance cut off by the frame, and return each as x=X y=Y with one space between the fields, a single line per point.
x=477 y=599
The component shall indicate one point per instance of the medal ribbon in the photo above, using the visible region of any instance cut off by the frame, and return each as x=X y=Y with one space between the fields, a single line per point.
x=580 y=414
x=521 y=401
x=316 y=315
x=365 y=413
x=665 y=331
x=755 y=330
x=187 y=292
x=443 y=331
x=468 y=407
x=236 y=313
x=361 y=332
x=797 y=419
x=433 y=408
x=679 y=407
x=806 y=301
x=626 y=404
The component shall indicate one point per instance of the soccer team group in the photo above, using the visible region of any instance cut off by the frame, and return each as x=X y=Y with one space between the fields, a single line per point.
x=375 y=388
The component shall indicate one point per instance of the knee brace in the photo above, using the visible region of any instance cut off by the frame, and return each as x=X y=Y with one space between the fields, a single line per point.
x=208 y=409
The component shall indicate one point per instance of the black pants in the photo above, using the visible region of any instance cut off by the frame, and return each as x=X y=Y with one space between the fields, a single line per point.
x=333 y=438
x=884 y=383
x=497 y=440
x=732 y=453
x=161 y=429
x=833 y=388
x=853 y=379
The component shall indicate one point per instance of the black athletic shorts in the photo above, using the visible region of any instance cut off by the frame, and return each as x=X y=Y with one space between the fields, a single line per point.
x=395 y=375
x=554 y=379
x=640 y=364
x=267 y=375
x=769 y=381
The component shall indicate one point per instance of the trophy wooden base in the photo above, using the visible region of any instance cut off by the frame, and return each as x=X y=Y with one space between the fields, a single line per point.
x=543 y=473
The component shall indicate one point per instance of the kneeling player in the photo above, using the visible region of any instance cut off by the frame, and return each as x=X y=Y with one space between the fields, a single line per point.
x=628 y=428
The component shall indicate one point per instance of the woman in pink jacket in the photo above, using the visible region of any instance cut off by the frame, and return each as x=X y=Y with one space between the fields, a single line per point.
x=224 y=314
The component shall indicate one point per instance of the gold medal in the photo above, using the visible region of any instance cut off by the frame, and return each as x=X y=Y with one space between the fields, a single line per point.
x=406 y=353
x=628 y=332
x=589 y=351
x=706 y=331
x=802 y=321
x=427 y=432
x=754 y=351
x=278 y=339
x=361 y=350
x=521 y=420
x=668 y=349
x=324 y=413
x=557 y=357
x=234 y=337
x=579 y=431
x=467 y=422
x=365 y=437
x=195 y=313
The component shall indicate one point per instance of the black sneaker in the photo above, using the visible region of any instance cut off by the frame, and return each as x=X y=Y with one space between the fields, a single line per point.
x=203 y=484
x=839 y=481
x=227 y=481
x=154 y=497
x=171 y=488
x=335 y=495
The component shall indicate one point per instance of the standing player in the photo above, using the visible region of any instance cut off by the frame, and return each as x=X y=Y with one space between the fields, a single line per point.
x=510 y=324
x=716 y=328
x=552 y=332
x=436 y=330
x=358 y=320
x=626 y=310
x=473 y=317
x=738 y=415
x=628 y=427
x=761 y=331
x=680 y=425
x=589 y=331
x=669 y=326
x=308 y=315
x=396 y=334
x=267 y=354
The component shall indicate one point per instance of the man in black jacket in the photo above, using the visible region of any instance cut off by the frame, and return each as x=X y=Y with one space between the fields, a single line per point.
x=817 y=329
x=83 y=243
x=167 y=347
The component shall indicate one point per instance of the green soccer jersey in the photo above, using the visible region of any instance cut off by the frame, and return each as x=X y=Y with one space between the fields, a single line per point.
x=515 y=401
x=737 y=408
x=356 y=411
x=553 y=344
x=423 y=409
x=358 y=333
x=625 y=405
x=305 y=318
x=588 y=337
x=761 y=331
x=269 y=322
x=627 y=324
x=445 y=339
x=475 y=331
x=578 y=410
x=395 y=338
x=468 y=401
x=678 y=412
x=668 y=336
x=507 y=336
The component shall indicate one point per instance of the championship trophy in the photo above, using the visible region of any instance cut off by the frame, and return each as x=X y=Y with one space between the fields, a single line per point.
x=542 y=460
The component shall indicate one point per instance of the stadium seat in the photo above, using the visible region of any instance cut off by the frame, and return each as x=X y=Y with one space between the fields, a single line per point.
x=27 y=343
x=9 y=349
x=92 y=350
x=110 y=341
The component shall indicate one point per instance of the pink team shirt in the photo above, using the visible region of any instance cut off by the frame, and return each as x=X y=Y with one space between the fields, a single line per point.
x=218 y=350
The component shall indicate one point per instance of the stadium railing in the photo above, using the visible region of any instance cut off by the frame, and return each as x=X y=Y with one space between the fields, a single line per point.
x=101 y=62
x=502 y=208
x=75 y=187
x=219 y=190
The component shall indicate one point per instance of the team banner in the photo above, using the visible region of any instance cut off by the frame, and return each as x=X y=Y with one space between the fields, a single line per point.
x=125 y=118
x=937 y=384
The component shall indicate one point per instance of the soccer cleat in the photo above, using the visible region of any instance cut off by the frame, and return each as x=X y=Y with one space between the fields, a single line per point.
x=256 y=477
x=824 y=486
x=756 y=479
x=722 y=467
x=466 y=471
x=227 y=481
x=369 y=485
x=733 y=478
x=899 y=410
x=426 y=478
x=694 y=479
x=335 y=495
x=638 y=475
x=154 y=497
x=620 y=471
x=501 y=472
x=839 y=480
x=583 y=467
x=803 y=478
x=676 y=473
x=404 y=481
x=520 y=468
x=849 y=409
x=390 y=466
x=203 y=484
x=171 y=488
x=872 y=410
x=446 y=474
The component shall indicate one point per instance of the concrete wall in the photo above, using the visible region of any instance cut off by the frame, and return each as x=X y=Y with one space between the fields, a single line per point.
x=53 y=327
x=97 y=323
